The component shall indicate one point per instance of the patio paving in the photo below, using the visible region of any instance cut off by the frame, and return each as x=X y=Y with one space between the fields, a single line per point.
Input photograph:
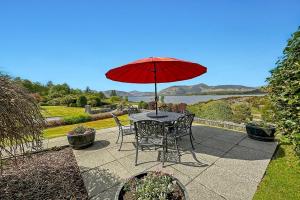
x=224 y=165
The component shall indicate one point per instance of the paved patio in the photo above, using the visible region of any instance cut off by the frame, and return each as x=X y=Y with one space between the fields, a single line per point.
x=224 y=165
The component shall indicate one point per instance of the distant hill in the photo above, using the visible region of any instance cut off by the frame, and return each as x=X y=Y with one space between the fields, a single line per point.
x=205 y=89
x=129 y=94
x=194 y=90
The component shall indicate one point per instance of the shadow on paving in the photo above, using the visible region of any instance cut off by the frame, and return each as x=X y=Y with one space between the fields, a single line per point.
x=100 y=183
x=98 y=144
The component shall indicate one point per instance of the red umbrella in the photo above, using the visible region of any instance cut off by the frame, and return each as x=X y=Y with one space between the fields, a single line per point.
x=156 y=70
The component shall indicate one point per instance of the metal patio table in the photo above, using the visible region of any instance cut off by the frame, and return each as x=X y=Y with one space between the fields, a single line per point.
x=170 y=116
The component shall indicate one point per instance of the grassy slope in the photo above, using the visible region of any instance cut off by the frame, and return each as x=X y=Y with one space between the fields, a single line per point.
x=99 y=124
x=61 y=111
x=282 y=179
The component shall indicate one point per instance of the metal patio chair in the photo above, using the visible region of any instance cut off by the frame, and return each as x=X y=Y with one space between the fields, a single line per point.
x=182 y=127
x=123 y=130
x=149 y=133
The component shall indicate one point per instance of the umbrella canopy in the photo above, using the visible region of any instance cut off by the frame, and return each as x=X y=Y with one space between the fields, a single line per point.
x=166 y=70
x=156 y=70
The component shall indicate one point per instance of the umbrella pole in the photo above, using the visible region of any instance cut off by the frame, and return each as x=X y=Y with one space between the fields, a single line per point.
x=155 y=89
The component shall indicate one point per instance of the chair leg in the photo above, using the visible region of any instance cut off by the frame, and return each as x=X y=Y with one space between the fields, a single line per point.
x=176 y=144
x=192 y=141
x=121 y=141
x=136 y=154
x=118 y=138
x=164 y=156
x=193 y=136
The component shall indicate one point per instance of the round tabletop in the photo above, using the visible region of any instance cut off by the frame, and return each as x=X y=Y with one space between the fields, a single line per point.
x=170 y=116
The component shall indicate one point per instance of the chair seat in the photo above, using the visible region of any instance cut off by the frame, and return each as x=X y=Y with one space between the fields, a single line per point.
x=127 y=130
x=151 y=142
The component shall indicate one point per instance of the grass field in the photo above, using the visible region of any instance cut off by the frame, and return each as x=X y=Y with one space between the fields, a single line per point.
x=61 y=111
x=99 y=124
x=282 y=179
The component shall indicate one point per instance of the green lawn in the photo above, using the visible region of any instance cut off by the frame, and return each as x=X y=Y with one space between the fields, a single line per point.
x=282 y=179
x=99 y=124
x=61 y=111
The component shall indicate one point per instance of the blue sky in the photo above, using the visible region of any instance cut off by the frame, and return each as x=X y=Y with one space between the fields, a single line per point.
x=78 y=41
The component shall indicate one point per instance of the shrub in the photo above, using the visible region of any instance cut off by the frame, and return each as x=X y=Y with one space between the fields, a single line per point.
x=284 y=91
x=54 y=102
x=143 y=105
x=77 y=119
x=82 y=130
x=151 y=105
x=43 y=104
x=72 y=105
x=67 y=100
x=214 y=110
x=241 y=112
x=81 y=101
x=115 y=99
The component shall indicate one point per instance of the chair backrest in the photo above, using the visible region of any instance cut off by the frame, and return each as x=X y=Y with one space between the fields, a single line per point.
x=149 y=129
x=184 y=123
x=132 y=110
x=117 y=120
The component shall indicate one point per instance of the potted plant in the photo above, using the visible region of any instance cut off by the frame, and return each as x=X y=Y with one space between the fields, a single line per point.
x=152 y=185
x=81 y=137
x=260 y=131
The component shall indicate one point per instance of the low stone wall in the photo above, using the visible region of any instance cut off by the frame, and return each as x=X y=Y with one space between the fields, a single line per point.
x=221 y=124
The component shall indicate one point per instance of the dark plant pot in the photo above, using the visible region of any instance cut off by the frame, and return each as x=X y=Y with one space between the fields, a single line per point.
x=81 y=141
x=260 y=133
x=120 y=192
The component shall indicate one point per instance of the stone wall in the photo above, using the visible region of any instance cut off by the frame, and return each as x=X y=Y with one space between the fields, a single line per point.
x=221 y=124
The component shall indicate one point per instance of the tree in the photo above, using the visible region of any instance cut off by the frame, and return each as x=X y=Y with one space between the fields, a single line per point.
x=101 y=95
x=113 y=93
x=81 y=101
x=284 y=91
x=21 y=122
x=162 y=99
x=87 y=89
x=126 y=98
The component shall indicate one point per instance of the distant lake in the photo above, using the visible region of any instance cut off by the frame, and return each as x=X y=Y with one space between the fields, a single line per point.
x=187 y=99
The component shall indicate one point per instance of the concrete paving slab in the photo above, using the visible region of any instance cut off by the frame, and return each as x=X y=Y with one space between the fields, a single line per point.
x=93 y=159
x=98 y=180
x=217 y=144
x=268 y=147
x=197 y=191
x=245 y=162
x=227 y=184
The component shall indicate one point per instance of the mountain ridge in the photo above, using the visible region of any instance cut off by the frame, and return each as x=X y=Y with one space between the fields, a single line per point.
x=197 y=89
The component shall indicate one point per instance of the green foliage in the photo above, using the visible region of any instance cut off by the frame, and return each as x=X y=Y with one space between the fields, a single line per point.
x=155 y=185
x=115 y=99
x=284 y=91
x=81 y=130
x=113 y=93
x=143 y=105
x=81 y=101
x=126 y=98
x=95 y=101
x=214 y=110
x=77 y=119
x=241 y=112
x=59 y=90
x=67 y=100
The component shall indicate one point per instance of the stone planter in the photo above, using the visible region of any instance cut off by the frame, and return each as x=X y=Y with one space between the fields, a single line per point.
x=81 y=141
x=120 y=192
x=260 y=133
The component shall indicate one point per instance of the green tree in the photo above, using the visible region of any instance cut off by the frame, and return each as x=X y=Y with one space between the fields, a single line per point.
x=162 y=99
x=87 y=89
x=113 y=93
x=284 y=91
x=81 y=101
